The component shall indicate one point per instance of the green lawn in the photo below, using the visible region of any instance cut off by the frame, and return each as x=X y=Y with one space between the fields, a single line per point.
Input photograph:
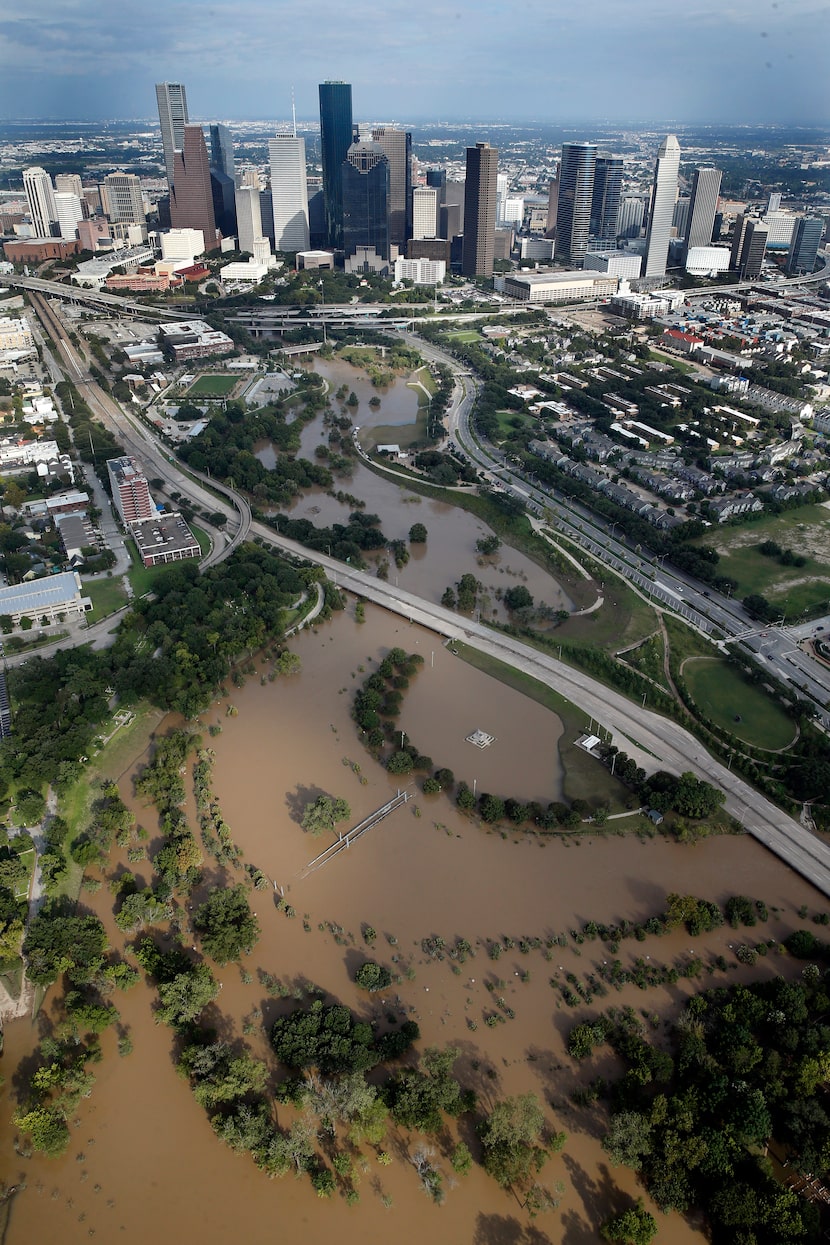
x=584 y=777
x=213 y=385
x=464 y=335
x=723 y=694
x=511 y=422
x=106 y=595
x=28 y=859
x=806 y=531
x=424 y=375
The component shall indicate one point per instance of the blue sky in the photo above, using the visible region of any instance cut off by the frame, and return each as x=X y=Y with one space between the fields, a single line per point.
x=761 y=61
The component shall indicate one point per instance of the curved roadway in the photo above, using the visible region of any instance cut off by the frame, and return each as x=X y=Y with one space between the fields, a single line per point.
x=657 y=740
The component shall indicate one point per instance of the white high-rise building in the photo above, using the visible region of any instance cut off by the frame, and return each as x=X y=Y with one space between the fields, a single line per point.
x=502 y=187
x=172 y=102
x=248 y=218
x=70 y=183
x=125 y=203
x=513 y=211
x=41 y=200
x=663 y=197
x=289 y=192
x=424 y=212
x=68 y=212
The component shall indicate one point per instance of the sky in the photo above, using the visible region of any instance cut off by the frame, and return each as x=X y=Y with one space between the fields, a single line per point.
x=741 y=61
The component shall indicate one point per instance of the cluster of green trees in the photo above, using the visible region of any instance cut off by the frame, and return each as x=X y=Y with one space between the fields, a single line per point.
x=445 y=469
x=178 y=861
x=743 y=1074
x=347 y=542
x=94 y=443
x=61 y=943
x=332 y=1040
x=226 y=449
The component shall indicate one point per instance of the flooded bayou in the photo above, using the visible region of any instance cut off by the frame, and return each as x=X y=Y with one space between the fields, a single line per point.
x=144 y=1163
x=450 y=550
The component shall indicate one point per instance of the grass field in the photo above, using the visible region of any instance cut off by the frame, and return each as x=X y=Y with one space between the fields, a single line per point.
x=28 y=859
x=584 y=777
x=212 y=385
x=106 y=595
x=806 y=531
x=464 y=335
x=511 y=422
x=723 y=694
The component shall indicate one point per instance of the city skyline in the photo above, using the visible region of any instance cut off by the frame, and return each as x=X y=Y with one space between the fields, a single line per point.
x=702 y=63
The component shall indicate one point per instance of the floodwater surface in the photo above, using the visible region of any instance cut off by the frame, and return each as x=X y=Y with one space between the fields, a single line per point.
x=144 y=1163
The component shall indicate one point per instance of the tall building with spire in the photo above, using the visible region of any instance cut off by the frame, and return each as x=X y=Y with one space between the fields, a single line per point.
x=703 y=204
x=576 y=191
x=336 y=135
x=40 y=198
x=172 y=104
x=663 y=196
x=191 y=195
x=289 y=192
x=480 y=189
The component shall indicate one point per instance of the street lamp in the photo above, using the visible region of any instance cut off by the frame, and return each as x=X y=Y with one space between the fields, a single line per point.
x=323 y=303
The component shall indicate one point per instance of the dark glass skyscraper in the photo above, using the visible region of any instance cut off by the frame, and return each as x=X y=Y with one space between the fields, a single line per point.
x=335 y=141
x=365 y=184
x=191 y=195
x=480 y=210
x=576 y=190
x=605 y=201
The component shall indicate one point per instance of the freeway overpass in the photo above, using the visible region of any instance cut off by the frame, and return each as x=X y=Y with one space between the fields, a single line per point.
x=99 y=299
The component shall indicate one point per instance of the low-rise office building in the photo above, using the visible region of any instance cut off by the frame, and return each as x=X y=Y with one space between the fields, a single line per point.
x=53 y=598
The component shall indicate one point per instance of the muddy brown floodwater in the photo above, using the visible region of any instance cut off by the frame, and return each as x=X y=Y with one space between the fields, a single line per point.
x=144 y=1164
x=450 y=549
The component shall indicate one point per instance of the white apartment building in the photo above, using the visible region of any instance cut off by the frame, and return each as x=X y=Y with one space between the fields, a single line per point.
x=421 y=271
x=40 y=197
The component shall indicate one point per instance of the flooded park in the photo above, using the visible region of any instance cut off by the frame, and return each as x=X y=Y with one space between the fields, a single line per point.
x=143 y=1160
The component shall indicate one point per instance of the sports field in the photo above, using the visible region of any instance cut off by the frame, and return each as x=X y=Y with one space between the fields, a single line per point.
x=212 y=385
x=724 y=695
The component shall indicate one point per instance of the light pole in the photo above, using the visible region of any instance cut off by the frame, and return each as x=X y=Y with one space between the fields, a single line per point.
x=323 y=304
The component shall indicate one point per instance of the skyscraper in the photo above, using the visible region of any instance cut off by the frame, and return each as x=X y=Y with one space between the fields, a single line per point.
x=749 y=243
x=335 y=141
x=480 y=210
x=553 y=206
x=663 y=195
x=605 y=200
x=289 y=192
x=124 y=198
x=703 y=204
x=41 y=200
x=502 y=187
x=425 y=212
x=805 y=244
x=576 y=189
x=68 y=211
x=172 y=102
x=191 y=194
x=396 y=145
x=221 y=150
x=70 y=183
x=248 y=217
x=365 y=206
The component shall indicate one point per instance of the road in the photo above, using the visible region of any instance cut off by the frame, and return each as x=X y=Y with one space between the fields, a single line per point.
x=138 y=440
x=712 y=613
x=657 y=741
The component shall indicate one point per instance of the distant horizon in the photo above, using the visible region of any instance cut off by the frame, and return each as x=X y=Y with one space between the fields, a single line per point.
x=701 y=62
x=667 y=124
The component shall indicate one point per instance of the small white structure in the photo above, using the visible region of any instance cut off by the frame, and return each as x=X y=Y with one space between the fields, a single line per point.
x=480 y=739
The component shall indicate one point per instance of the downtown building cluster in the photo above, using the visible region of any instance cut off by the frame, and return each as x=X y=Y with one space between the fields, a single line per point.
x=373 y=213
